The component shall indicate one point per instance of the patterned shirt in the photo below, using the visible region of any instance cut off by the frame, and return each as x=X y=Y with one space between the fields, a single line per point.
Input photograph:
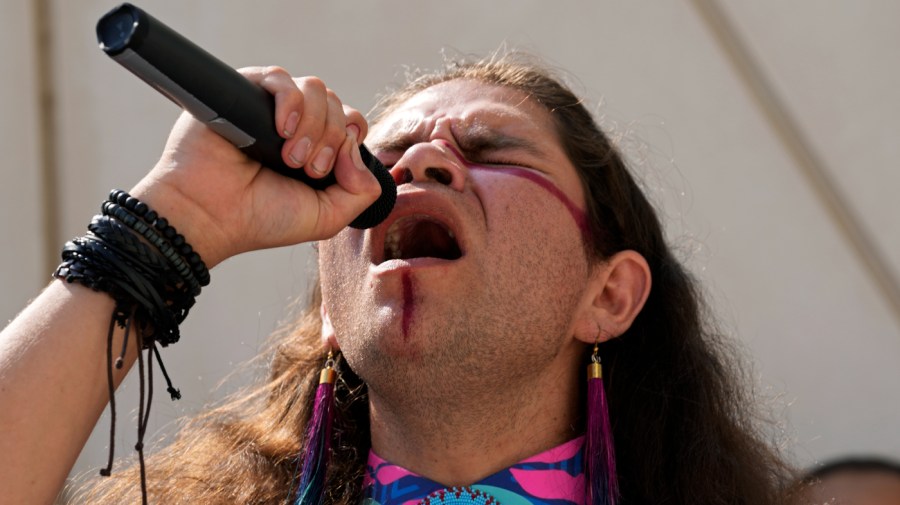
x=553 y=477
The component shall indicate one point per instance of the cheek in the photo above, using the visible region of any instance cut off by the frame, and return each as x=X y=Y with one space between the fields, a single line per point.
x=336 y=260
x=343 y=247
x=534 y=264
x=542 y=188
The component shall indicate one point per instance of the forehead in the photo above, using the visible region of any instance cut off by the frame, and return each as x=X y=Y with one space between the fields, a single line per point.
x=468 y=104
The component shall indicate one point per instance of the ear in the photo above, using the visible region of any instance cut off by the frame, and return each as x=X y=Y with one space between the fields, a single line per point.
x=615 y=295
x=328 y=337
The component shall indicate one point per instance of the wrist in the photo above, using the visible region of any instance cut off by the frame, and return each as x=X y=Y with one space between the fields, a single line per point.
x=196 y=225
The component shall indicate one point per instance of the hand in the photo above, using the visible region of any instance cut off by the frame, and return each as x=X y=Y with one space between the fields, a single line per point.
x=225 y=203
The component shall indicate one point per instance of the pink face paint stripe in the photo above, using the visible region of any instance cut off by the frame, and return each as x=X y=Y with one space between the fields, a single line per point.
x=407 y=303
x=577 y=214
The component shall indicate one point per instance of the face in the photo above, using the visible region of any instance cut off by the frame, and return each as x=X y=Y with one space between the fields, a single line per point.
x=479 y=268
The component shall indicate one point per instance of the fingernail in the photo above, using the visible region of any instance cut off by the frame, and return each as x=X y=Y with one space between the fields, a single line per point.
x=290 y=126
x=300 y=151
x=323 y=160
x=353 y=130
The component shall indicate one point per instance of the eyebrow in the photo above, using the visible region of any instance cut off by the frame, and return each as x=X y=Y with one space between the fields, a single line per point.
x=395 y=142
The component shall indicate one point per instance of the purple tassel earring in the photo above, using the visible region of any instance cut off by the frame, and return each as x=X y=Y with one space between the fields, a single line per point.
x=602 y=486
x=318 y=440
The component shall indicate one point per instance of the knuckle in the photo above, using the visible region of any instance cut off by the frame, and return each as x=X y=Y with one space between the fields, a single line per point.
x=313 y=82
x=332 y=97
x=292 y=97
x=356 y=118
x=276 y=70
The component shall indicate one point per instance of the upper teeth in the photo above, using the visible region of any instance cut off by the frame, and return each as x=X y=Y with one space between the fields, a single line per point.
x=392 y=245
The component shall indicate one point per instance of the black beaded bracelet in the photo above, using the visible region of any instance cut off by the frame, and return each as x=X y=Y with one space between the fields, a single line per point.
x=161 y=224
x=156 y=240
x=142 y=211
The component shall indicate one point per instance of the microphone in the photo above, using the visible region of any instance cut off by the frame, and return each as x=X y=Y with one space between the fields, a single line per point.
x=219 y=96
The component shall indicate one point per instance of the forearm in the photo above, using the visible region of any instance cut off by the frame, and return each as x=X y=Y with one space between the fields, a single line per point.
x=53 y=387
x=53 y=357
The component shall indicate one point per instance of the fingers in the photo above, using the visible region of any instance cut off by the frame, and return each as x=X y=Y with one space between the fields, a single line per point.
x=321 y=135
x=310 y=117
x=288 y=100
x=332 y=132
x=356 y=189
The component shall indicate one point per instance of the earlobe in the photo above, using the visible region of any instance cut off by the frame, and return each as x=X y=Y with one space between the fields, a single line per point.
x=617 y=293
x=328 y=337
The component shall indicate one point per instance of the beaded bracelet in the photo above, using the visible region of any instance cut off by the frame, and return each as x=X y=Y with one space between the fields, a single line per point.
x=155 y=239
x=150 y=217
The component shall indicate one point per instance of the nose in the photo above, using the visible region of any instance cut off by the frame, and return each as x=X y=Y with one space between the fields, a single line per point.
x=427 y=161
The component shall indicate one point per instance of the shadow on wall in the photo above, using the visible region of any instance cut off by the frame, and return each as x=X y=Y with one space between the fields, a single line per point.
x=850 y=481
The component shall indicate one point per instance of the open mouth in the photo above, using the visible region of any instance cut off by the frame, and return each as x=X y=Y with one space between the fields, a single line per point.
x=420 y=236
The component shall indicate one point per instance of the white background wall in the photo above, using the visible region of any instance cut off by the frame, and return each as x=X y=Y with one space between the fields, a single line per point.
x=781 y=274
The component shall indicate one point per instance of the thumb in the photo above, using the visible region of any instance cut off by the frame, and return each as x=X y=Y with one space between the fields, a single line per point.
x=356 y=187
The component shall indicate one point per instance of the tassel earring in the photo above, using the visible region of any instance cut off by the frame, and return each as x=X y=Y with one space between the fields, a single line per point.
x=602 y=486
x=318 y=440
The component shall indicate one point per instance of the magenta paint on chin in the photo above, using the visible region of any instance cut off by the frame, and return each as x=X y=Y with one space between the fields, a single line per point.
x=577 y=214
x=407 y=303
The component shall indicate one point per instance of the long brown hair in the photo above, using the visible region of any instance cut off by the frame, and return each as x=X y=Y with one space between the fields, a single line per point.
x=682 y=418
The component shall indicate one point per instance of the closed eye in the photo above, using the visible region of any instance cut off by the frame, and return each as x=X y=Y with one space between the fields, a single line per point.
x=506 y=163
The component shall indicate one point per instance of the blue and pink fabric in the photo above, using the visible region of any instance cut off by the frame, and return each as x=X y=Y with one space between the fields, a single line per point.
x=553 y=477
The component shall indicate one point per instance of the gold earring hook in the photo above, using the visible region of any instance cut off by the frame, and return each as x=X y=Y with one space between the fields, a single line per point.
x=595 y=371
x=328 y=374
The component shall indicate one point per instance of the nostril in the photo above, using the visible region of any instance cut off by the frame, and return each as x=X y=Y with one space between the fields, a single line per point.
x=402 y=176
x=440 y=175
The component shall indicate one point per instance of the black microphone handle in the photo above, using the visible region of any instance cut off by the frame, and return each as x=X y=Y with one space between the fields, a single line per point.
x=217 y=95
